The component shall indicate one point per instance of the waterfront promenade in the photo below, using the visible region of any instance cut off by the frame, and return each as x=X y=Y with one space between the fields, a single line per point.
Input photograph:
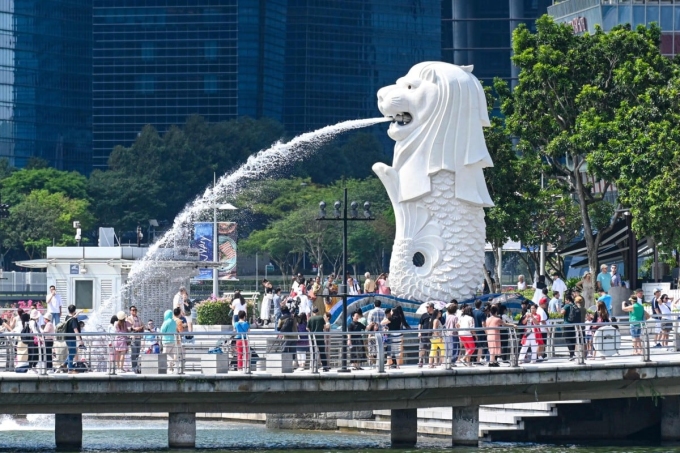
x=273 y=389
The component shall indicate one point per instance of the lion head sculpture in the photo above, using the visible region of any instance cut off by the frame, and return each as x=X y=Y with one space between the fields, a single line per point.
x=438 y=112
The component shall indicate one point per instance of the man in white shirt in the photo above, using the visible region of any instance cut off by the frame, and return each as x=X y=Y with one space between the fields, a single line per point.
x=558 y=285
x=178 y=300
x=54 y=304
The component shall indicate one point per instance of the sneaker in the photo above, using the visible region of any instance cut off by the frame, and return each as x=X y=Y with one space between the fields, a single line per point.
x=571 y=359
x=326 y=368
x=658 y=345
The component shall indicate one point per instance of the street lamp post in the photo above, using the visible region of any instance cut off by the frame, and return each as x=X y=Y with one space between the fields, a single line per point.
x=216 y=257
x=342 y=288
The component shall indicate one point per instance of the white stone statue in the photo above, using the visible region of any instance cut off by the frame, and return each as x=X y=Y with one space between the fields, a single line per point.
x=436 y=182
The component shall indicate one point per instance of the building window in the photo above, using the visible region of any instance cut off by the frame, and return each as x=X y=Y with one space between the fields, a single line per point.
x=210 y=50
x=147 y=51
x=210 y=83
x=145 y=84
x=84 y=294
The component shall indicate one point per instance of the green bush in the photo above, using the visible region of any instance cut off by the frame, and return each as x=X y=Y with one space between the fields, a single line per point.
x=214 y=312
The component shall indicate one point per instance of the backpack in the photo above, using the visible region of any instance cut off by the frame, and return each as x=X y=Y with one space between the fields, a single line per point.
x=62 y=328
x=287 y=325
x=26 y=335
x=574 y=315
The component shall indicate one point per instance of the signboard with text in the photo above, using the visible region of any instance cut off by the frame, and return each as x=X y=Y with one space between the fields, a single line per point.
x=227 y=249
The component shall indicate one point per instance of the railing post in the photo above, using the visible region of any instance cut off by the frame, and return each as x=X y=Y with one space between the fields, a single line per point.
x=551 y=340
x=246 y=353
x=381 y=352
x=646 y=353
x=580 y=345
x=313 y=364
x=514 y=348
x=110 y=350
x=43 y=353
x=676 y=339
x=447 y=353
x=180 y=352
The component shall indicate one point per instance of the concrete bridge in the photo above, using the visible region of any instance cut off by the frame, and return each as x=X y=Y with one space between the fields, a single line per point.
x=401 y=391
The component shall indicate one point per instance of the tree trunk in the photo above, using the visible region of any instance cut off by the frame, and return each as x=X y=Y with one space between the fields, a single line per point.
x=487 y=277
x=592 y=243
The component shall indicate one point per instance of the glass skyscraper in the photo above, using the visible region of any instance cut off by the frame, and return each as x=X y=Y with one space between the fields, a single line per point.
x=46 y=82
x=479 y=33
x=340 y=52
x=306 y=63
x=585 y=14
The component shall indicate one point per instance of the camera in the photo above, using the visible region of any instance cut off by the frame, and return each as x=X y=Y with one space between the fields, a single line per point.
x=294 y=305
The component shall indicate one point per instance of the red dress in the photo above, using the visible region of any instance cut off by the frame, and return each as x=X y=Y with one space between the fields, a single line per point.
x=533 y=321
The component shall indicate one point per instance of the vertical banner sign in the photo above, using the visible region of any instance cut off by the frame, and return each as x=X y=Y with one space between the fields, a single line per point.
x=226 y=240
x=203 y=241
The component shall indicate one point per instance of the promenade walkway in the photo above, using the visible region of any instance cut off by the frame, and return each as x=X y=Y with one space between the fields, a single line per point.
x=208 y=384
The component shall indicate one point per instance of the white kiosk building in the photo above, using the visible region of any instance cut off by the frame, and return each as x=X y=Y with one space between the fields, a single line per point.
x=93 y=278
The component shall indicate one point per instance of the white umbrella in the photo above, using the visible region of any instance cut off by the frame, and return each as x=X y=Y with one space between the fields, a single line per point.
x=438 y=305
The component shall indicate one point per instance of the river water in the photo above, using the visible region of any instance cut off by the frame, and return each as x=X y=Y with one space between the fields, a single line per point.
x=36 y=434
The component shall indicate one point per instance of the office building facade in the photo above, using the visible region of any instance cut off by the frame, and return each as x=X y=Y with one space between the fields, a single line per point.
x=306 y=63
x=584 y=15
x=160 y=61
x=46 y=82
x=339 y=53
x=479 y=33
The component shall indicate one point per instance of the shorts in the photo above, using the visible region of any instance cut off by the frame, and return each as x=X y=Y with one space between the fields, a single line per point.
x=481 y=341
x=425 y=343
x=437 y=345
x=468 y=344
x=667 y=327
x=635 y=331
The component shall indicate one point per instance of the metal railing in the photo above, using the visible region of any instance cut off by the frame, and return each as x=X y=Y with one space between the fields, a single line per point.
x=267 y=351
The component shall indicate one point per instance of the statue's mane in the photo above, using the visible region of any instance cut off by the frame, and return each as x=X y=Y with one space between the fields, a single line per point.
x=452 y=138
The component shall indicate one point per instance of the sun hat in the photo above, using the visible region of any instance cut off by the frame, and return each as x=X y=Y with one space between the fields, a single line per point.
x=35 y=314
x=48 y=316
x=120 y=315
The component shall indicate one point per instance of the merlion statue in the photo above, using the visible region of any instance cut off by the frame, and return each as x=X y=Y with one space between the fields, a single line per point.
x=436 y=181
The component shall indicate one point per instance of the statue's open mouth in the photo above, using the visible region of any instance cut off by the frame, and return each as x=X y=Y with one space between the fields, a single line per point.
x=402 y=118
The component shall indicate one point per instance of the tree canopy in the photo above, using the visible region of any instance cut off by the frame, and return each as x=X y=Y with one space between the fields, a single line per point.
x=569 y=87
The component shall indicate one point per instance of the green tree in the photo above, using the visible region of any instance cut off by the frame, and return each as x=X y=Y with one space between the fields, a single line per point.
x=513 y=183
x=183 y=160
x=43 y=218
x=569 y=85
x=642 y=154
x=124 y=201
x=19 y=184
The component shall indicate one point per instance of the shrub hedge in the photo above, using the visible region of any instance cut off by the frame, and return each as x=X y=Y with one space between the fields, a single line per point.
x=214 y=312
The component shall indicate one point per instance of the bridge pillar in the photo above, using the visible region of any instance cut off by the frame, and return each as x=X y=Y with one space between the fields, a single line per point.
x=182 y=430
x=465 y=425
x=68 y=431
x=670 y=419
x=404 y=428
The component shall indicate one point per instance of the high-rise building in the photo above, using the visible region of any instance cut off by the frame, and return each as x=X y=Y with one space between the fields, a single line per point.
x=584 y=15
x=45 y=82
x=159 y=61
x=340 y=52
x=306 y=63
x=479 y=33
